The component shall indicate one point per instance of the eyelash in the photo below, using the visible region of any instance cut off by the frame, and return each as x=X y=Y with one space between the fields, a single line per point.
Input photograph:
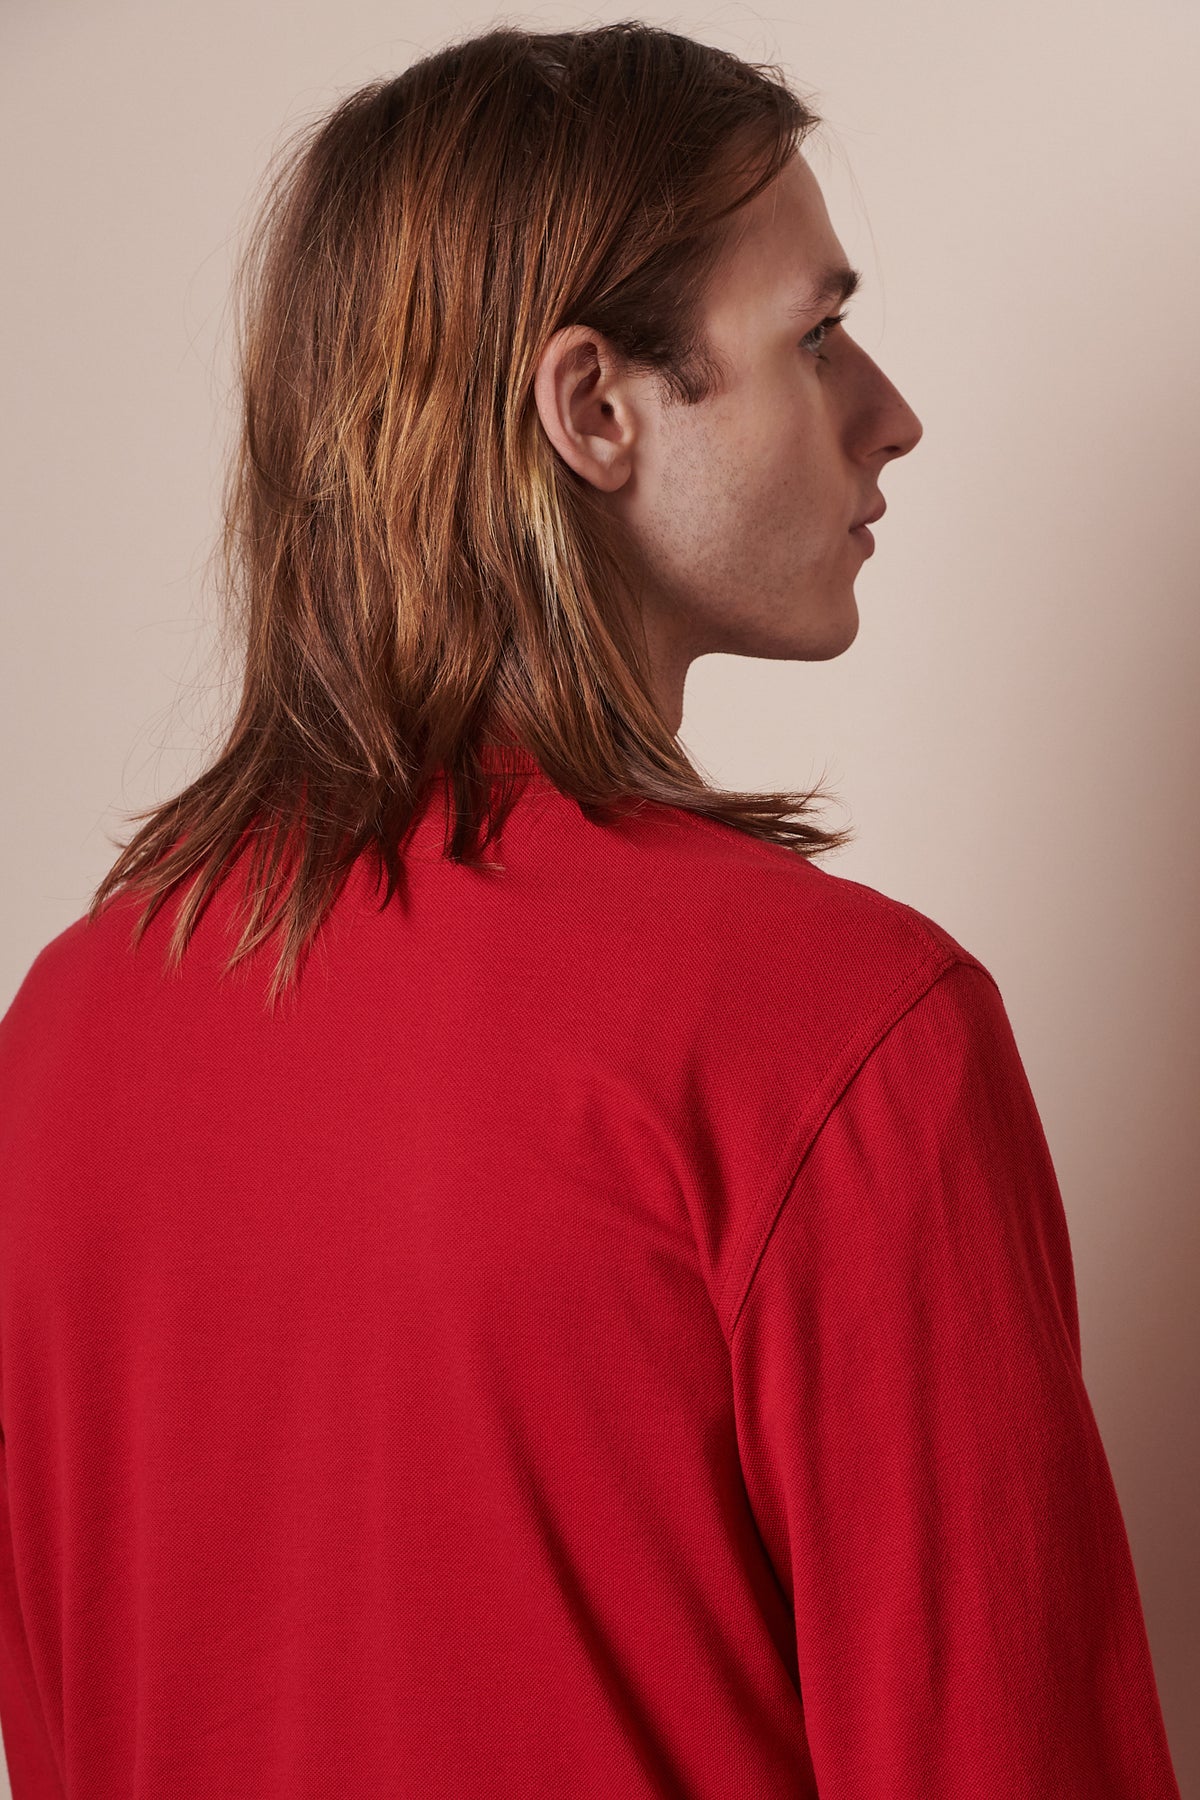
x=825 y=325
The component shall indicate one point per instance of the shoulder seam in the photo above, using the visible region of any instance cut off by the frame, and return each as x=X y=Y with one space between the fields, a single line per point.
x=751 y=1246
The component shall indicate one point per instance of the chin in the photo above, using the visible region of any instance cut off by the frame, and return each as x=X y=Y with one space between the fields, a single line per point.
x=837 y=638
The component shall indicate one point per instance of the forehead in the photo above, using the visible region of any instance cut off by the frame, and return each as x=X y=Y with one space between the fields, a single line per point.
x=781 y=242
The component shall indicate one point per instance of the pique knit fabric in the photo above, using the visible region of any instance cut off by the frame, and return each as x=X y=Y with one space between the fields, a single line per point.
x=613 y=1334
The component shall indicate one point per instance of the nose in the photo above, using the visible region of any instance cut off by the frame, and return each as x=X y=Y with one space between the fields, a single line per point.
x=913 y=430
x=886 y=415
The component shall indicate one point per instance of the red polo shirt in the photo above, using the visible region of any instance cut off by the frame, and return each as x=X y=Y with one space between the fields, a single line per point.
x=613 y=1334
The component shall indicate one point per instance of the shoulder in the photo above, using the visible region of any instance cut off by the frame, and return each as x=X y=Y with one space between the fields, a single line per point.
x=767 y=914
x=52 y=968
x=66 y=990
x=769 y=981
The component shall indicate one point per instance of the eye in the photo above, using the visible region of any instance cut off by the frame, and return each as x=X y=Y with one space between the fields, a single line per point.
x=825 y=325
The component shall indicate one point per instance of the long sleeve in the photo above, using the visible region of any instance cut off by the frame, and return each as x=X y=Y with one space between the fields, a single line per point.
x=27 y=1749
x=919 y=1446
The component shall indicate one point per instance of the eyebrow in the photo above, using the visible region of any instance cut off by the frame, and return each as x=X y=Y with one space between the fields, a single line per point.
x=833 y=288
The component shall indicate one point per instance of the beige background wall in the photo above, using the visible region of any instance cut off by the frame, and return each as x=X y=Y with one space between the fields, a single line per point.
x=1014 y=732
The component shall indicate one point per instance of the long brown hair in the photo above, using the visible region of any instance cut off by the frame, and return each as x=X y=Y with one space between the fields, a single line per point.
x=412 y=572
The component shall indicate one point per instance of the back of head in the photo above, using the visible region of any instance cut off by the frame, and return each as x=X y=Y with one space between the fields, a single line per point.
x=411 y=571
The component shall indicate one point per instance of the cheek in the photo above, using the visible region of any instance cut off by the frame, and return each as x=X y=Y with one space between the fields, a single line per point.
x=799 y=487
x=811 y=465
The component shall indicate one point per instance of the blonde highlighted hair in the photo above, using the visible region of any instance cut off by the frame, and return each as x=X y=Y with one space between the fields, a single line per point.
x=411 y=570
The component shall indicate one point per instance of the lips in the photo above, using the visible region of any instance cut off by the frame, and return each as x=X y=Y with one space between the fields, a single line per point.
x=870 y=518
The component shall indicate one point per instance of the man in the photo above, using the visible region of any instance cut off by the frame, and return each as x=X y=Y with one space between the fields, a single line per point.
x=612 y=1332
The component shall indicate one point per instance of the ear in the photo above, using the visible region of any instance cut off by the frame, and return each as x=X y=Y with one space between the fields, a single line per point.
x=585 y=407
